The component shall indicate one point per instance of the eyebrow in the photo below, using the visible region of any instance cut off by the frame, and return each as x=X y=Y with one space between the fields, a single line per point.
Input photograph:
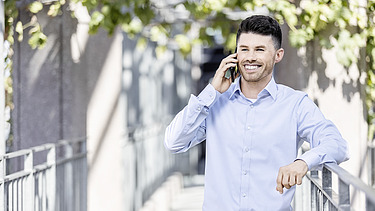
x=258 y=46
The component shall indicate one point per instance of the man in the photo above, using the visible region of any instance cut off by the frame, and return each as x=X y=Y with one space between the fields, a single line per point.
x=254 y=127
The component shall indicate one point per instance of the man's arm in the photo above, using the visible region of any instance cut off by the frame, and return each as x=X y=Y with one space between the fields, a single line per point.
x=188 y=128
x=325 y=140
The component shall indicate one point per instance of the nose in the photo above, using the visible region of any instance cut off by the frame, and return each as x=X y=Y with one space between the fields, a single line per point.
x=251 y=56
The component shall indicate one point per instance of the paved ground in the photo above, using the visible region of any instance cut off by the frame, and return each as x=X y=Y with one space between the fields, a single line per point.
x=177 y=193
x=191 y=196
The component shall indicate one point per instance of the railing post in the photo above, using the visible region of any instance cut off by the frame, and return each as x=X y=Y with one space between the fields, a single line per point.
x=68 y=172
x=369 y=205
x=344 y=196
x=314 y=191
x=51 y=179
x=2 y=184
x=83 y=179
x=75 y=177
x=327 y=186
x=29 y=193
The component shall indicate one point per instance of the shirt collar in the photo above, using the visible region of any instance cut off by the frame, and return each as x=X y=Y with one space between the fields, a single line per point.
x=236 y=89
x=271 y=89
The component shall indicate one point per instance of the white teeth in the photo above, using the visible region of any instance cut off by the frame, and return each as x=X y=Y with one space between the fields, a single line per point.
x=251 y=67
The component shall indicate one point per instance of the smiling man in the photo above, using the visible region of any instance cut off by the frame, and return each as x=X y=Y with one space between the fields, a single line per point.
x=254 y=127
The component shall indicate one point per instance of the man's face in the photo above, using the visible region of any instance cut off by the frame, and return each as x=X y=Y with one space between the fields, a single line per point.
x=257 y=57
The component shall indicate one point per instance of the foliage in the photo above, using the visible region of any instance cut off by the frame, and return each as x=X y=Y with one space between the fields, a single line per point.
x=345 y=24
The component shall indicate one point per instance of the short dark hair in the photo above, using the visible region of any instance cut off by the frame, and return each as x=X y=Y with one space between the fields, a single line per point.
x=263 y=25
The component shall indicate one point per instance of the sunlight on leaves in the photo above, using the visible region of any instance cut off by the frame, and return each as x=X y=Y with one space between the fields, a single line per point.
x=35 y=7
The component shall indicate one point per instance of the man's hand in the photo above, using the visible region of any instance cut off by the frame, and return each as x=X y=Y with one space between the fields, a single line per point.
x=290 y=175
x=219 y=82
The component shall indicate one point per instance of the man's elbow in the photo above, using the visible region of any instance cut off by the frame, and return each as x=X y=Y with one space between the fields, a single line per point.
x=343 y=152
x=169 y=146
x=172 y=145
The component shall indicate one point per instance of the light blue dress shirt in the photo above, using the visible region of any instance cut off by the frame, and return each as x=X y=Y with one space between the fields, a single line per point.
x=248 y=142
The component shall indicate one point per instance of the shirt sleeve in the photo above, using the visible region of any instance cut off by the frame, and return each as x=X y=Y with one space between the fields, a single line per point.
x=326 y=142
x=188 y=128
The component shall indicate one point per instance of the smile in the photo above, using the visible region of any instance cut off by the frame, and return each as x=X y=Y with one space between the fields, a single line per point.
x=252 y=66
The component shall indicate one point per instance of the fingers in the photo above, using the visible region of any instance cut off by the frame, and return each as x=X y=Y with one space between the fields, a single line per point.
x=290 y=175
x=220 y=73
x=229 y=61
x=292 y=180
x=284 y=180
x=299 y=179
x=279 y=186
x=220 y=82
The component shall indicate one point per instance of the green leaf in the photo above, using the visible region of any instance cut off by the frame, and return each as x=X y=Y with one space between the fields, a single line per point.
x=97 y=19
x=326 y=43
x=133 y=28
x=37 y=40
x=141 y=43
x=54 y=9
x=183 y=43
x=19 y=30
x=216 y=5
x=160 y=50
x=298 y=38
x=35 y=7
x=144 y=13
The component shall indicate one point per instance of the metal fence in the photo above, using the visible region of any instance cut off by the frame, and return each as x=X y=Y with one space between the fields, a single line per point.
x=152 y=163
x=50 y=177
x=332 y=189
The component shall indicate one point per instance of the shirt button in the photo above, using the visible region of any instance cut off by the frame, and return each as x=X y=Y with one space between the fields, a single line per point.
x=248 y=127
x=251 y=106
x=246 y=149
x=244 y=195
x=198 y=108
x=244 y=172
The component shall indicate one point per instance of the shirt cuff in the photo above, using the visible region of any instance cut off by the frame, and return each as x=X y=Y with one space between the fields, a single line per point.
x=208 y=96
x=311 y=159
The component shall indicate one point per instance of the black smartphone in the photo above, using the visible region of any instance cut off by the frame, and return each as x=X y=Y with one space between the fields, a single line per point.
x=231 y=72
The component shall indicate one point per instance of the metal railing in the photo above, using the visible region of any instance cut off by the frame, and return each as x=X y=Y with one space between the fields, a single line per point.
x=332 y=189
x=150 y=169
x=51 y=177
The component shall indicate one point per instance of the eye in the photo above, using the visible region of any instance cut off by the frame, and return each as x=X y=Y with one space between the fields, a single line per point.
x=259 y=49
x=244 y=49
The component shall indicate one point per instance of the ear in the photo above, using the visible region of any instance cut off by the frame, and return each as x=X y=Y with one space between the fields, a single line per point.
x=279 y=55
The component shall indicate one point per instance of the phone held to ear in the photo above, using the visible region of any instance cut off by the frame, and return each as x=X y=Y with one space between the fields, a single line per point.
x=231 y=72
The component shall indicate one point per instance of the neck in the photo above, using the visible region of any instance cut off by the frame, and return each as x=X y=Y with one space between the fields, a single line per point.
x=252 y=89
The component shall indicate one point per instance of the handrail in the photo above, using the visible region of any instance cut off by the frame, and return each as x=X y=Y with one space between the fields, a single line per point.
x=320 y=195
x=349 y=179
x=40 y=148
x=63 y=167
